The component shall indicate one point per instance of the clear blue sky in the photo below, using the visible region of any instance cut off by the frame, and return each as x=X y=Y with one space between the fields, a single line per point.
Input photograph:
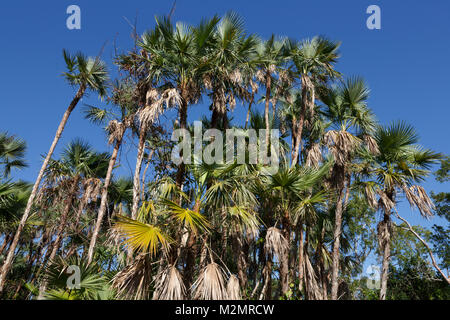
x=406 y=63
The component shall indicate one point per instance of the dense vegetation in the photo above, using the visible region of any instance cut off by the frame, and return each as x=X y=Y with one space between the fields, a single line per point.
x=224 y=230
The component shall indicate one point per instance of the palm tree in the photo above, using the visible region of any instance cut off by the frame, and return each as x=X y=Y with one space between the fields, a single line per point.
x=12 y=152
x=399 y=166
x=123 y=98
x=227 y=51
x=314 y=62
x=270 y=57
x=346 y=107
x=87 y=74
x=289 y=194
x=78 y=163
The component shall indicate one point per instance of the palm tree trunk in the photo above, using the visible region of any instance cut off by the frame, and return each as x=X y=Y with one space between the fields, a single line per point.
x=137 y=171
x=102 y=210
x=183 y=125
x=266 y=110
x=337 y=239
x=386 y=258
x=301 y=259
x=61 y=227
x=9 y=259
x=284 y=260
x=249 y=110
x=307 y=103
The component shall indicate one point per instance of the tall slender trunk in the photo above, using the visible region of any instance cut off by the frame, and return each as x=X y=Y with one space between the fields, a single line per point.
x=337 y=235
x=9 y=259
x=191 y=252
x=102 y=210
x=183 y=125
x=218 y=106
x=249 y=110
x=266 y=110
x=301 y=259
x=307 y=103
x=137 y=170
x=284 y=260
x=266 y=292
x=61 y=227
x=386 y=257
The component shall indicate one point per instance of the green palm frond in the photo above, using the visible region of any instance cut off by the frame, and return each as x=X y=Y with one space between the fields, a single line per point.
x=187 y=217
x=142 y=236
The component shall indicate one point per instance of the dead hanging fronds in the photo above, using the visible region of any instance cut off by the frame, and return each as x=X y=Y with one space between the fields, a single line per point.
x=370 y=196
x=313 y=290
x=384 y=231
x=169 y=285
x=236 y=77
x=275 y=243
x=171 y=97
x=272 y=68
x=314 y=156
x=151 y=96
x=207 y=82
x=384 y=203
x=115 y=129
x=231 y=100
x=210 y=284
x=233 y=288
x=134 y=281
x=371 y=145
x=150 y=113
x=92 y=190
x=155 y=103
x=254 y=86
x=418 y=197
x=260 y=76
x=341 y=144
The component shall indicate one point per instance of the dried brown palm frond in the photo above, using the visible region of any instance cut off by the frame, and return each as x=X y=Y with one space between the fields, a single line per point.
x=233 y=288
x=236 y=77
x=341 y=144
x=384 y=203
x=151 y=96
x=171 y=97
x=134 y=281
x=92 y=189
x=312 y=288
x=169 y=285
x=275 y=243
x=210 y=284
x=285 y=78
x=207 y=82
x=370 y=196
x=191 y=92
x=116 y=130
x=384 y=231
x=151 y=112
x=418 y=197
x=371 y=145
x=314 y=156
x=254 y=86
x=260 y=76
x=272 y=68
x=231 y=100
